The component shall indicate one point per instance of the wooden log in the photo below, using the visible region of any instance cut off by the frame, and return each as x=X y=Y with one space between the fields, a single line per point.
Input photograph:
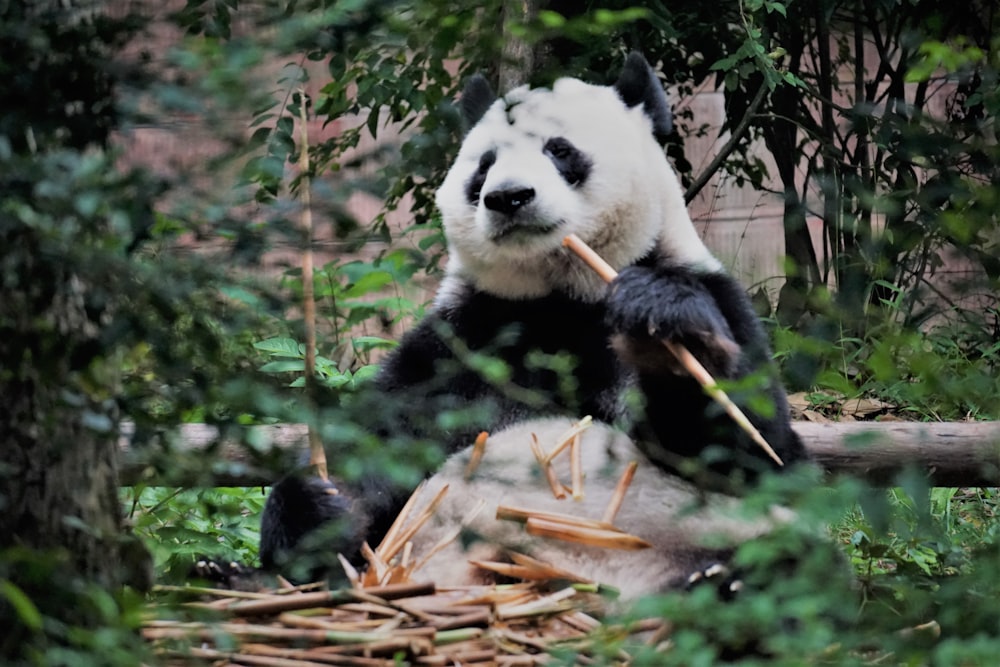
x=951 y=453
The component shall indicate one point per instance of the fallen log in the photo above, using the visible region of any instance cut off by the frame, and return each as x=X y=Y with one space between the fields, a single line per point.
x=951 y=453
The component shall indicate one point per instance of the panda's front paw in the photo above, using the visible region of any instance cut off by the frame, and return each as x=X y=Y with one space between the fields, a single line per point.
x=646 y=306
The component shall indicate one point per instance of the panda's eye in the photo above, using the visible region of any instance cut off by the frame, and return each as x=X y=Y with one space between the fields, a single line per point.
x=573 y=165
x=559 y=148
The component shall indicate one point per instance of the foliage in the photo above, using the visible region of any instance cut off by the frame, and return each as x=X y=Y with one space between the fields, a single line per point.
x=36 y=629
x=183 y=525
x=170 y=336
x=912 y=557
x=915 y=553
x=948 y=373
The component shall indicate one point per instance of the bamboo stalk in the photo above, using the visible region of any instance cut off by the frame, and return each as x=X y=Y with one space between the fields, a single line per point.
x=203 y=590
x=350 y=571
x=618 y=496
x=521 y=515
x=406 y=535
x=316 y=654
x=478 y=449
x=596 y=537
x=576 y=469
x=282 y=603
x=692 y=365
x=245 y=658
x=377 y=567
x=475 y=619
x=550 y=474
x=397 y=524
x=512 y=570
x=543 y=605
x=553 y=571
x=317 y=455
x=566 y=439
x=529 y=570
x=450 y=536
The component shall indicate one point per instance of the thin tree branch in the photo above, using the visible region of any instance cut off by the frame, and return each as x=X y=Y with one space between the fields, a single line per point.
x=728 y=148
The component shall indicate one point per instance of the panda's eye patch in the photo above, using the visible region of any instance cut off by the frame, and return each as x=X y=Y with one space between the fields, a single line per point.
x=559 y=148
x=474 y=186
x=573 y=164
x=486 y=161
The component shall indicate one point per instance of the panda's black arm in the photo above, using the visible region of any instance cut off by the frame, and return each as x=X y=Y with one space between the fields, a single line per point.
x=711 y=315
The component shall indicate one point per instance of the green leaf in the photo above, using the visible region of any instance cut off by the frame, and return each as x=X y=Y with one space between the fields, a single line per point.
x=365 y=373
x=372 y=282
x=364 y=343
x=284 y=366
x=280 y=347
x=242 y=295
x=26 y=609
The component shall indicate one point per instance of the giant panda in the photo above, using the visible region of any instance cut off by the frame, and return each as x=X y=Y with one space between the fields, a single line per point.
x=534 y=166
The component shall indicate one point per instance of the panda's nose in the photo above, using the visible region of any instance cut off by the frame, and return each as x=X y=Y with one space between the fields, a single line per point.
x=508 y=200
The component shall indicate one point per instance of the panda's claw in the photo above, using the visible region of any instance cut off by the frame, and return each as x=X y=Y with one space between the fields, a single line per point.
x=727 y=583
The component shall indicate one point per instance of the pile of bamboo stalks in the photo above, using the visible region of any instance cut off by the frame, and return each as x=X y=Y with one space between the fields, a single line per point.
x=409 y=624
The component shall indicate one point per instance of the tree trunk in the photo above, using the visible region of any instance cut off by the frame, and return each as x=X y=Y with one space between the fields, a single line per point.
x=60 y=458
x=517 y=59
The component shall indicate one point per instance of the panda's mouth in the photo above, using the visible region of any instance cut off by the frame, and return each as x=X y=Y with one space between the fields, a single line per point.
x=516 y=229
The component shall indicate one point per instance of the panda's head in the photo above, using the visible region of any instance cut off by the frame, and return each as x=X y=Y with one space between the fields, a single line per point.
x=539 y=164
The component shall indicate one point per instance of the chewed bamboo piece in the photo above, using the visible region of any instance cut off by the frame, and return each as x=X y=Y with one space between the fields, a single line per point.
x=581 y=534
x=569 y=528
x=521 y=515
x=558 y=491
x=566 y=439
x=618 y=496
x=450 y=536
x=397 y=525
x=387 y=551
x=683 y=355
x=478 y=449
x=576 y=469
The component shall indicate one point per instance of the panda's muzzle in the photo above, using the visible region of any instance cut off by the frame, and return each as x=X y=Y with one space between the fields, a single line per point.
x=509 y=200
x=511 y=214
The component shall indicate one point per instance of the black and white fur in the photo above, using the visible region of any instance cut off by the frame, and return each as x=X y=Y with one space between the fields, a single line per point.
x=537 y=165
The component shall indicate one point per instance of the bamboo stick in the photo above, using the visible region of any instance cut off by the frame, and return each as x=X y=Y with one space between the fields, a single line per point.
x=324 y=599
x=397 y=524
x=566 y=439
x=406 y=535
x=521 y=515
x=550 y=474
x=596 y=537
x=692 y=365
x=317 y=455
x=576 y=469
x=618 y=496
x=478 y=449
x=450 y=536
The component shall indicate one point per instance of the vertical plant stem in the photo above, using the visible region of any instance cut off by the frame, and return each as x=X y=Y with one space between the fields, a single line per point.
x=317 y=455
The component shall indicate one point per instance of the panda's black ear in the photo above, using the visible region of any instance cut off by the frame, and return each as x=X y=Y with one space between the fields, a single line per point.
x=638 y=85
x=477 y=97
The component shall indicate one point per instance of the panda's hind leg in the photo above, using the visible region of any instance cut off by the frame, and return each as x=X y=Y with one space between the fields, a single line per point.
x=726 y=581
